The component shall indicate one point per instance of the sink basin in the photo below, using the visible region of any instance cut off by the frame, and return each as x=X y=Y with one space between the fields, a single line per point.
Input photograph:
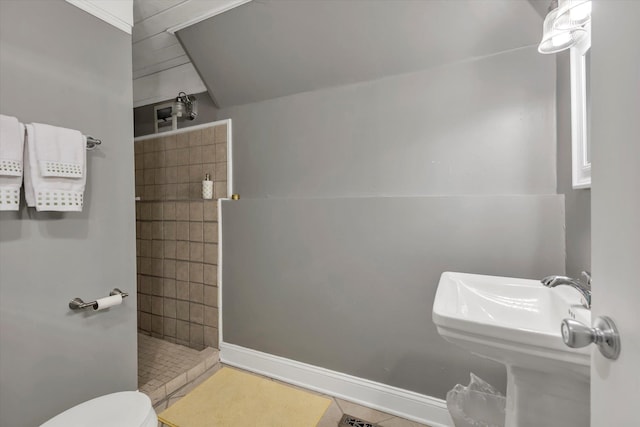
x=517 y=322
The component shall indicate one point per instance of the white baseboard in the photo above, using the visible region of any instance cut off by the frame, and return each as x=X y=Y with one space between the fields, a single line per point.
x=402 y=403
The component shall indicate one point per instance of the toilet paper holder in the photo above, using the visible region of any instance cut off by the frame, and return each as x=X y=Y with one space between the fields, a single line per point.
x=79 y=304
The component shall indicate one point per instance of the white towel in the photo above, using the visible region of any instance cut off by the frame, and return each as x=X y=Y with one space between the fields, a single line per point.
x=55 y=161
x=11 y=152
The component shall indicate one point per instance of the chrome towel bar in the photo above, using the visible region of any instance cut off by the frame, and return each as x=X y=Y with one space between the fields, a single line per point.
x=92 y=143
x=78 y=304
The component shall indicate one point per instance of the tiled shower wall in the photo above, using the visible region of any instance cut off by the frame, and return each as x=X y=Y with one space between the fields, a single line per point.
x=177 y=235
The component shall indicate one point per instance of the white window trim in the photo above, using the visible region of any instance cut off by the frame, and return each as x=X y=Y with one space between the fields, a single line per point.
x=581 y=167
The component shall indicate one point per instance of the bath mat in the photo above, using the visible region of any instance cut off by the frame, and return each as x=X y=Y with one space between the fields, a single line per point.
x=232 y=398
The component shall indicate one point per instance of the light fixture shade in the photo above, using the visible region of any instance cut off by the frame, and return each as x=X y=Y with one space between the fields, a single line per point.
x=556 y=40
x=573 y=14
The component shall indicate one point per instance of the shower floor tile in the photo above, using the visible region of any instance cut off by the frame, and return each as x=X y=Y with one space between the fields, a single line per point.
x=164 y=366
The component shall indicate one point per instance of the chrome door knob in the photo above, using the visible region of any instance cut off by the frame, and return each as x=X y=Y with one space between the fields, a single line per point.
x=604 y=334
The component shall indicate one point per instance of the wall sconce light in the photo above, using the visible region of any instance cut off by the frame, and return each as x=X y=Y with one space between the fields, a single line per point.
x=185 y=106
x=566 y=25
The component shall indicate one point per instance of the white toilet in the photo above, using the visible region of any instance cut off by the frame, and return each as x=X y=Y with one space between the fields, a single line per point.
x=123 y=409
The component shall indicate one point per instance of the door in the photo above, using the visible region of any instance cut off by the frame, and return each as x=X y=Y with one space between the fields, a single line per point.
x=61 y=66
x=615 y=130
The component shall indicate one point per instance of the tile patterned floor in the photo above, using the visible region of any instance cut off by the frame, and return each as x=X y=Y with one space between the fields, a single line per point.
x=331 y=417
x=164 y=367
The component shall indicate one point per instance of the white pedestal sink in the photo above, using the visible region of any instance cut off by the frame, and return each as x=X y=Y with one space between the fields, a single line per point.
x=517 y=322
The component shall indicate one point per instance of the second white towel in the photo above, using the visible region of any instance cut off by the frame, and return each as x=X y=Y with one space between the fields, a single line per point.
x=55 y=168
x=11 y=152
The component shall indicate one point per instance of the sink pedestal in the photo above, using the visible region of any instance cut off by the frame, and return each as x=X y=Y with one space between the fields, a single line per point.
x=551 y=399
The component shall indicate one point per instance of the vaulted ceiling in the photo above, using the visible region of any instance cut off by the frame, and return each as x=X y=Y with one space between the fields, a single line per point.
x=272 y=48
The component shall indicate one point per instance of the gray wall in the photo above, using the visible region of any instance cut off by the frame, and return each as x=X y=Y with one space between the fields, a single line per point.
x=143 y=116
x=577 y=202
x=60 y=65
x=477 y=127
x=332 y=256
x=348 y=283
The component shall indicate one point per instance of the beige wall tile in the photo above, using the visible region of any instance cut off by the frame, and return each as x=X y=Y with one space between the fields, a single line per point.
x=169 y=232
x=169 y=308
x=221 y=152
x=210 y=295
x=182 y=191
x=169 y=211
x=145 y=322
x=169 y=288
x=149 y=176
x=195 y=173
x=145 y=248
x=195 y=155
x=196 y=292
x=220 y=190
x=195 y=190
x=145 y=303
x=182 y=250
x=138 y=147
x=195 y=272
x=196 y=231
x=160 y=175
x=196 y=313
x=182 y=230
x=221 y=171
x=170 y=249
x=182 y=157
x=172 y=175
x=196 y=251
x=210 y=274
x=182 y=270
x=208 y=154
x=182 y=310
x=182 y=211
x=210 y=316
x=170 y=142
x=210 y=336
x=196 y=211
x=156 y=306
x=139 y=161
x=157 y=285
x=182 y=330
x=169 y=269
x=210 y=210
x=156 y=267
x=182 y=140
x=196 y=335
x=169 y=327
x=211 y=253
x=156 y=211
x=171 y=192
x=157 y=249
x=183 y=174
x=220 y=133
x=171 y=158
x=195 y=138
x=208 y=135
x=182 y=290
x=210 y=232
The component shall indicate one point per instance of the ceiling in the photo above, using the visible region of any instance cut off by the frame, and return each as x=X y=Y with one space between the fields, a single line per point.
x=161 y=67
x=391 y=36
x=267 y=49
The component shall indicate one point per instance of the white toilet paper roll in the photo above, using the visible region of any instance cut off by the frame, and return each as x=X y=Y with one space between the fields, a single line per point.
x=107 y=302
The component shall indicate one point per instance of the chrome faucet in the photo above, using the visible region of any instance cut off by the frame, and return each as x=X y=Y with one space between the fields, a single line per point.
x=584 y=289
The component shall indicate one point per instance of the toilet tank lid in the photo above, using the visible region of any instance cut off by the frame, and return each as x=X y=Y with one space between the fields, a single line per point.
x=125 y=409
